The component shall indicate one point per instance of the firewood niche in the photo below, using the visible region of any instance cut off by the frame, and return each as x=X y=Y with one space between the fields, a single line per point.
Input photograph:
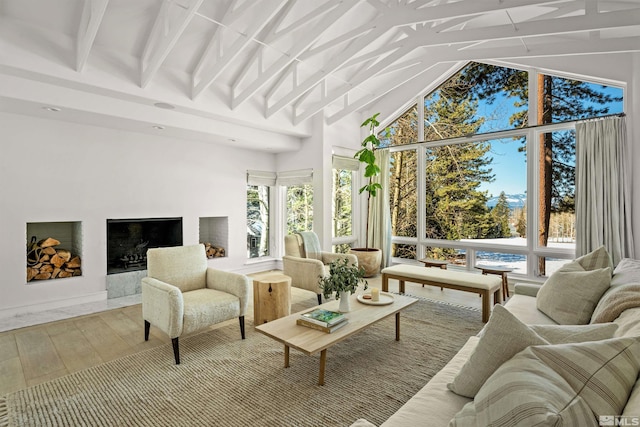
x=45 y=260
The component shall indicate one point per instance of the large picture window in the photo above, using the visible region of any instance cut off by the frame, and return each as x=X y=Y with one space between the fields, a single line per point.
x=490 y=179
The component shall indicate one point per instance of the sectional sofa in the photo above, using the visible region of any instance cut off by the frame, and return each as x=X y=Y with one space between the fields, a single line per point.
x=563 y=353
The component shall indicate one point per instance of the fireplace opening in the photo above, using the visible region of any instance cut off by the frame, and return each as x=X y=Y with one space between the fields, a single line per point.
x=129 y=239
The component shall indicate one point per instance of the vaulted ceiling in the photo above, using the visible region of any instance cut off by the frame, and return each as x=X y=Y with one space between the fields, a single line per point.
x=253 y=72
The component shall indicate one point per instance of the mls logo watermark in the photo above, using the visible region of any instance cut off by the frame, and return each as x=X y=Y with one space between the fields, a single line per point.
x=612 y=420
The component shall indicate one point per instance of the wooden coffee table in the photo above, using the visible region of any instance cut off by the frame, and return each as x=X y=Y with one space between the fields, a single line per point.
x=311 y=341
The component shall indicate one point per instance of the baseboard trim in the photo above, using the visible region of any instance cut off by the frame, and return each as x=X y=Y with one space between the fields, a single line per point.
x=52 y=305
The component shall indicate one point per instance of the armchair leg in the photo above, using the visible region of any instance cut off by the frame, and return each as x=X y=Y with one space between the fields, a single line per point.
x=319 y=299
x=176 y=350
x=241 y=319
x=147 y=325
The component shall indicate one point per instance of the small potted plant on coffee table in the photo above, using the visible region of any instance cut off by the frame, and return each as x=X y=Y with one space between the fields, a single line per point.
x=343 y=279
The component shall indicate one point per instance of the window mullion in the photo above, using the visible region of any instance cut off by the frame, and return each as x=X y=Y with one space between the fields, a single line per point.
x=421 y=188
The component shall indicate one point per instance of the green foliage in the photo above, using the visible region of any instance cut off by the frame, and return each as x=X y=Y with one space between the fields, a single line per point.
x=299 y=208
x=343 y=277
x=521 y=224
x=367 y=156
x=500 y=218
x=342 y=218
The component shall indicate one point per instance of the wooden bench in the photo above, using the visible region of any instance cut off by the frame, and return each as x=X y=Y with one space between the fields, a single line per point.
x=461 y=281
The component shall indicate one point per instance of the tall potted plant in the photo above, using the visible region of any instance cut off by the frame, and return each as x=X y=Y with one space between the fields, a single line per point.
x=369 y=258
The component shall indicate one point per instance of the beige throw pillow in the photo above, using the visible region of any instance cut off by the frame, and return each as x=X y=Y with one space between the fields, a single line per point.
x=552 y=385
x=502 y=338
x=571 y=294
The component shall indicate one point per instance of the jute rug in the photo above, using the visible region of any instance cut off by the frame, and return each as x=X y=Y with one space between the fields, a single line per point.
x=225 y=381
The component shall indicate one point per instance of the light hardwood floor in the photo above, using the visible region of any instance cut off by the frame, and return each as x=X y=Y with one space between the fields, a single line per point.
x=35 y=354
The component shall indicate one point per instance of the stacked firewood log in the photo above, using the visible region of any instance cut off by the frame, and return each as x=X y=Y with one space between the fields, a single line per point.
x=213 y=251
x=45 y=261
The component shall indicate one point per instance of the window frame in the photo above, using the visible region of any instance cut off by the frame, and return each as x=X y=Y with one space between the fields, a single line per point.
x=532 y=250
x=353 y=237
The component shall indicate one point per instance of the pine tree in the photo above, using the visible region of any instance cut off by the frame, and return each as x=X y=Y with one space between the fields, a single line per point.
x=500 y=216
x=560 y=100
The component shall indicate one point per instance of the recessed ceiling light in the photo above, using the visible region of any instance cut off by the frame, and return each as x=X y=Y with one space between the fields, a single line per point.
x=52 y=109
x=158 y=127
x=164 y=105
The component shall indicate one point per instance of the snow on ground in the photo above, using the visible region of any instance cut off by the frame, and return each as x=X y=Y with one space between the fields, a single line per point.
x=516 y=261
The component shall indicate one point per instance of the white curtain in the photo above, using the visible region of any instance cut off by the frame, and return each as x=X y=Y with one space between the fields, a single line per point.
x=603 y=184
x=379 y=212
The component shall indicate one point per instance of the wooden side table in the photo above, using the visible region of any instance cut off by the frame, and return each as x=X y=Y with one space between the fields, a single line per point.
x=430 y=262
x=500 y=271
x=271 y=298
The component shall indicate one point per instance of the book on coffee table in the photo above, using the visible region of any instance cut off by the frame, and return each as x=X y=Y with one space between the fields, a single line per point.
x=323 y=317
x=328 y=329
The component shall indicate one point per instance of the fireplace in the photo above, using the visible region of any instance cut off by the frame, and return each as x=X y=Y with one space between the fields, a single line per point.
x=129 y=239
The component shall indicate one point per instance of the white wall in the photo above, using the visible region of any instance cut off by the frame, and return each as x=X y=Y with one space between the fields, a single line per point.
x=59 y=171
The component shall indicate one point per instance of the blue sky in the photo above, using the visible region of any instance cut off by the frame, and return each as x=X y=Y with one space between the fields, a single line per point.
x=509 y=164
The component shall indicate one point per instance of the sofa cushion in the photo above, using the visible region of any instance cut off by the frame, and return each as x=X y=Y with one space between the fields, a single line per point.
x=627 y=271
x=524 y=308
x=570 y=295
x=502 y=338
x=565 y=384
x=628 y=323
x=632 y=408
x=435 y=404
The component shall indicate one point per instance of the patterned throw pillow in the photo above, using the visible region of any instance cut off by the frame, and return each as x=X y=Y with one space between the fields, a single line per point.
x=563 y=334
x=557 y=385
x=596 y=259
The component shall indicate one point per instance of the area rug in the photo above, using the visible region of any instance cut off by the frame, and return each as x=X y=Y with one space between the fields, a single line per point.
x=225 y=381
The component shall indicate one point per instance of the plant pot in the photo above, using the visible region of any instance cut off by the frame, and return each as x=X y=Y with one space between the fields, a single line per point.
x=345 y=302
x=369 y=259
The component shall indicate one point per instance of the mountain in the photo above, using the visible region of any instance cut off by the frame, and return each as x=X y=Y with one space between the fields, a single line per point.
x=515 y=201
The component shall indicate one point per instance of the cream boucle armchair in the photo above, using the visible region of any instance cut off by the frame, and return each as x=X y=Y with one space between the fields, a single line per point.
x=181 y=294
x=305 y=263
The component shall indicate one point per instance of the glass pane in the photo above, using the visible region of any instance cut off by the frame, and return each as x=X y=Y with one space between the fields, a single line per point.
x=403 y=194
x=454 y=256
x=342 y=219
x=551 y=265
x=480 y=98
x=566 y=99
x=257 y=221
x=403 y=251
x=502 y=260
x=556 y=192
x=476 y=191
x=404 y=130
x=342 y=249
x=299 y=208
